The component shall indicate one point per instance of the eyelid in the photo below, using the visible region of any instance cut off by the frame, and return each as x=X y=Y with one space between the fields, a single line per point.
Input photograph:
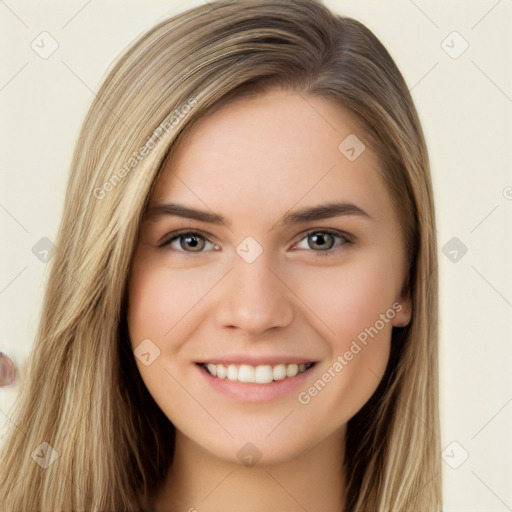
x=170 y=237
x=167 y=240
x=330 y=231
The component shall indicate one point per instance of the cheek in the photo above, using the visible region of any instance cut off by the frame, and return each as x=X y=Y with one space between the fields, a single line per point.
x=163 y=307
x=159 y=299
x=161 y=303
x=349 y=299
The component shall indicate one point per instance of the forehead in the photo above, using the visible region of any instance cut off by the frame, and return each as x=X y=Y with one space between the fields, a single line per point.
x=256 y=157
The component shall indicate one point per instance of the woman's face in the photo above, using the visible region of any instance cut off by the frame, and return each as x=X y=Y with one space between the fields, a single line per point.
x=270 y=247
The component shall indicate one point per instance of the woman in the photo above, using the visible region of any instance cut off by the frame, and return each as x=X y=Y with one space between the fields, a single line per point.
x=218 y=362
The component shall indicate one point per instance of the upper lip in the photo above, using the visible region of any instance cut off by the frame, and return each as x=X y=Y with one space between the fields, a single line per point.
x=256 y=360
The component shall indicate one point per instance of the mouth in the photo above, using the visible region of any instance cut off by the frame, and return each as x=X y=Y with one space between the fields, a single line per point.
x=260 y=374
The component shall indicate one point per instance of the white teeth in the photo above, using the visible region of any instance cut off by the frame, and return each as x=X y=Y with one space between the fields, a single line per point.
x=262 y=374
x=245 y=373
x=222 y=372
x=279 y=372
x=292 y=370
x=232 y=372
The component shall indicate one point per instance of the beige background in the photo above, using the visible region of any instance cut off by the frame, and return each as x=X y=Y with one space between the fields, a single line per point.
x=465 y=104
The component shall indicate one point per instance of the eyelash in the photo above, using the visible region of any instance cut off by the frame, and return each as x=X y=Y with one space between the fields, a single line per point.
x=328 y=252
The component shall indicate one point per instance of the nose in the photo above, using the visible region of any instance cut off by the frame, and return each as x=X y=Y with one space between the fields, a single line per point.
x=254 y=298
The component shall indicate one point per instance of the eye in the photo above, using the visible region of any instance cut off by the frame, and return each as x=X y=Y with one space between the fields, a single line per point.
x=188 y=241
x=323 y=241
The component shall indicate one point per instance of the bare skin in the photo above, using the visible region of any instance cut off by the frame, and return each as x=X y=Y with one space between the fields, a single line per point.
x=293 y=292
x=7 y=371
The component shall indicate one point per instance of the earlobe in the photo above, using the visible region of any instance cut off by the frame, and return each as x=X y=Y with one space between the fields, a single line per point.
x=403 y=310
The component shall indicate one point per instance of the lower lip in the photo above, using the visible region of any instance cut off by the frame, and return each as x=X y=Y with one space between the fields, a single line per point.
x=250 y=392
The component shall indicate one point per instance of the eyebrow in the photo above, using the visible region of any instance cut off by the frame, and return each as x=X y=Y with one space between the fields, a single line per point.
x=319 y=212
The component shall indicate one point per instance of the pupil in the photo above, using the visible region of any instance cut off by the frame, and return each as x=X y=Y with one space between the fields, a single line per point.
x=320 y=239
x=192 y=241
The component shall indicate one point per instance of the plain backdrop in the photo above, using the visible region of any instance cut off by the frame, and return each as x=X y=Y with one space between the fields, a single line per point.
x=457 y=60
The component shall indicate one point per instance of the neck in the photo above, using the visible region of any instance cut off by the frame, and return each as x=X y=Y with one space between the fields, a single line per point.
x=198 y=481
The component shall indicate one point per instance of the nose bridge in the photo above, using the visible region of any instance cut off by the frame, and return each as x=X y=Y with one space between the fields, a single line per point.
x=253 y=298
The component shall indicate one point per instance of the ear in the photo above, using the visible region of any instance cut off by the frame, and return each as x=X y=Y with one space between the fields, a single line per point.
x=403 y=310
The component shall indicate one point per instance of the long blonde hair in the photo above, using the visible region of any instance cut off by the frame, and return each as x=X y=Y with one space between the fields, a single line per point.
x=84 y=395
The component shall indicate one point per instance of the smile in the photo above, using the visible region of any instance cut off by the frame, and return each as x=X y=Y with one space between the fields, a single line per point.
x=261 y=374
